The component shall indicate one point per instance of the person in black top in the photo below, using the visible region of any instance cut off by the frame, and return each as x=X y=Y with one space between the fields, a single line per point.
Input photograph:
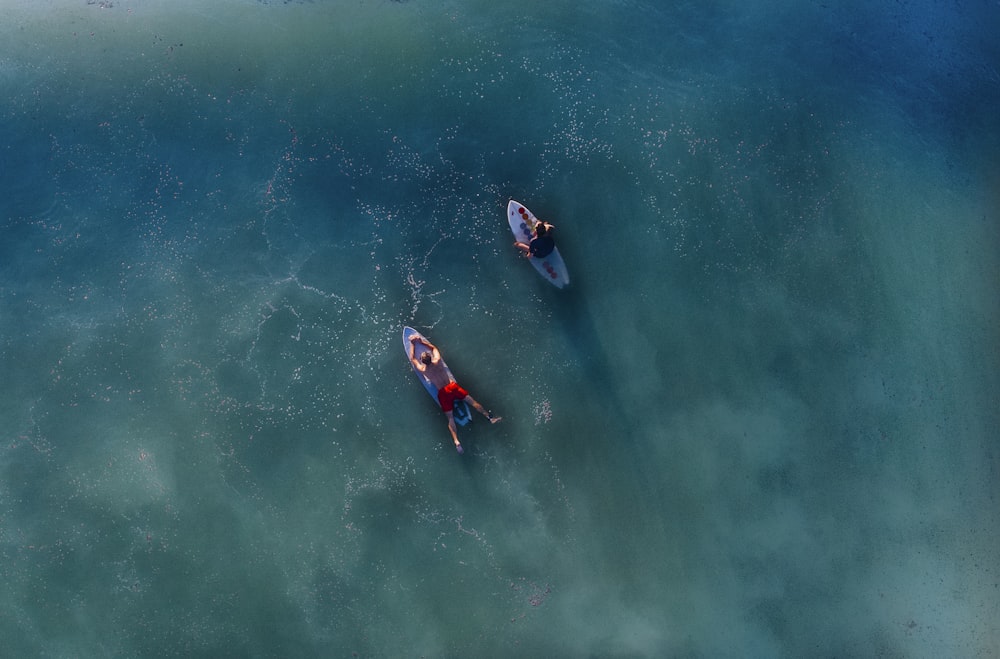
x=542 y=244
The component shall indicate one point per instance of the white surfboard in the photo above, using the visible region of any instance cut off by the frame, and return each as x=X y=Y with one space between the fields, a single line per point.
x=522 y=222
x=461 y=411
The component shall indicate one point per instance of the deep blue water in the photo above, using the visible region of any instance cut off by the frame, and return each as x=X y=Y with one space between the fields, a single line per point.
x=762 y=422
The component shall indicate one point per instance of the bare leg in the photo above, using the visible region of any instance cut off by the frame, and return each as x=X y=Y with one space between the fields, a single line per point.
x=479 y=408
x=454 y=431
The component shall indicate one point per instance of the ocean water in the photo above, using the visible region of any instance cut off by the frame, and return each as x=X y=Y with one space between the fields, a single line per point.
x=762 y=422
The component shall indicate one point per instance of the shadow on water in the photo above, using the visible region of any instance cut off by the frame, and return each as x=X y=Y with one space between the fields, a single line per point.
x=617 y=415
x=625 y=492
x=572 y=311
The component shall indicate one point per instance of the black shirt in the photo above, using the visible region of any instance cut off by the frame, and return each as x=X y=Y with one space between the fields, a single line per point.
x=542 y=246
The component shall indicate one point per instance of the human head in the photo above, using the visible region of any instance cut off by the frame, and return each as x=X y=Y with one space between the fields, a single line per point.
x=426 y=358
x=541 y=229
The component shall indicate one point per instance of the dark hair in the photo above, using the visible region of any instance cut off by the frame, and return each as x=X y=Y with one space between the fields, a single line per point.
x=426 y=358
x=541 y=229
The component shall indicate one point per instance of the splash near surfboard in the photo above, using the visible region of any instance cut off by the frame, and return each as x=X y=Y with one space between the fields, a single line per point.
x=522 y=223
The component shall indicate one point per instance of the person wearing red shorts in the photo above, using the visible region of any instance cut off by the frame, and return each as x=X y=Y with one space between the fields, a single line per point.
x=449 y=390
x=449 y=393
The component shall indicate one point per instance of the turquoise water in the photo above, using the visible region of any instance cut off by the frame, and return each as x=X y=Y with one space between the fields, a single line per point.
x=762 y=422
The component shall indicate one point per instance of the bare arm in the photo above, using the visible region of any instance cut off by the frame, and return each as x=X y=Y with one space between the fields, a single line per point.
x=417 y=364
x=435 y=355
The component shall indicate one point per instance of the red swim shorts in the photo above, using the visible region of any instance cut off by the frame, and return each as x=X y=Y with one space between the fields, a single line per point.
x=448 y=394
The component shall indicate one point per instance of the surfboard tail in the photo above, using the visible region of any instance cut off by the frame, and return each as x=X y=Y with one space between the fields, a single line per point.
x=461 y=412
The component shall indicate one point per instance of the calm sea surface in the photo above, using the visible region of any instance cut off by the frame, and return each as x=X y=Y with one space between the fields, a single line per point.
x=762 y=422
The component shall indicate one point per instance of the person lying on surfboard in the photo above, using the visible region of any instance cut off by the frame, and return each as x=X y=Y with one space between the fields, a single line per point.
x=449 y=390
x=542 y=244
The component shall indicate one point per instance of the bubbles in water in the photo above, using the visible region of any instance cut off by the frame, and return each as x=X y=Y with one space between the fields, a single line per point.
x=543 y=412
